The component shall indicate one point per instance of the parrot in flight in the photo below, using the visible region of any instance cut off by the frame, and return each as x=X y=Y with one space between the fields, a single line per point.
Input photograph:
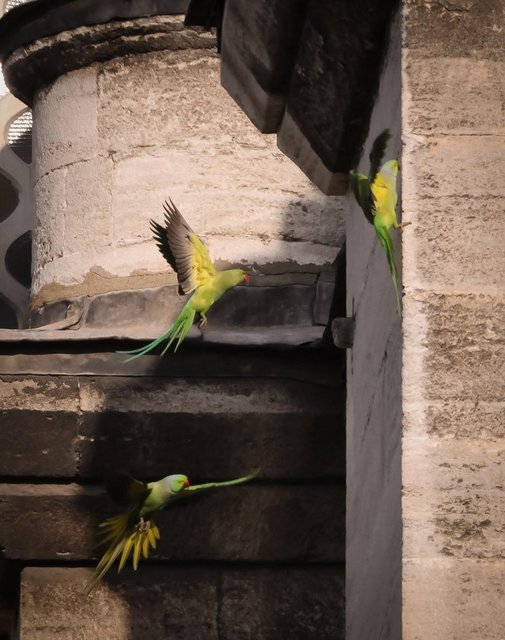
x=376 y=195
x=135 y=529
x=189 y=258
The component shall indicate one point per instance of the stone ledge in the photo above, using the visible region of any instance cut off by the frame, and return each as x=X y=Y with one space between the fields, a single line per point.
x=154 y=309
x=257 y=523
x=31 y=67
x=58 y=362
x=36 y=20
x=283 y=336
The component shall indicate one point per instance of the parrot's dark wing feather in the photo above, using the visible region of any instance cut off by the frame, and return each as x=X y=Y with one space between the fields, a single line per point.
x=160 y=235
x=361 y=189
x=126 y=491
x=190 y=256
x=377 y=153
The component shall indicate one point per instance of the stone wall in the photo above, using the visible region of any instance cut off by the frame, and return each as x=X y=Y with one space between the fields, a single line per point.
x=374 y=418
x=259 y=561
x=454 y=275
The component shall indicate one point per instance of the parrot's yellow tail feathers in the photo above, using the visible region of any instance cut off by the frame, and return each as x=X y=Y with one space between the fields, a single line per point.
x=124 y=537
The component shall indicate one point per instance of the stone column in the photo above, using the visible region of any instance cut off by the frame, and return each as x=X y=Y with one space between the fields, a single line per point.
x=139 y=116
x=454 y=354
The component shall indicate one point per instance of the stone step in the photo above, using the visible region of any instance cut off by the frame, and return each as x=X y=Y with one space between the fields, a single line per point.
x=292 y=305
x=184 y=602
x=257 y=522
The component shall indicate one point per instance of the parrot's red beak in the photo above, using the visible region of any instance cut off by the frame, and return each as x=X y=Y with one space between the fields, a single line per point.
x=186 y=484
x=246 y=278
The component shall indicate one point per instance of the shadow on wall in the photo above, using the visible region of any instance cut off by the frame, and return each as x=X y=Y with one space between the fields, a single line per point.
x=265 y=557
x=264 y=560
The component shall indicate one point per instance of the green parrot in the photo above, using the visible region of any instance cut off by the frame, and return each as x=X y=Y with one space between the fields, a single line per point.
x=135 y=529
x=377 y=196
x=189 y=258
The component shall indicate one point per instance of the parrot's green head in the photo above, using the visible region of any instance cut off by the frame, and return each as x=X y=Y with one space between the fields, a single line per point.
x=176 y=482
x=390 y=168
x=233 y=277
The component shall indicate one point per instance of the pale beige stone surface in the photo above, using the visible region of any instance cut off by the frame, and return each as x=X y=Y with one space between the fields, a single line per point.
x=437 y=83
x=65 y=117
x=449 y=229
x=454 y=274
x=152 y=126
x=39 y=393
x=454 y=499
x=454 y=599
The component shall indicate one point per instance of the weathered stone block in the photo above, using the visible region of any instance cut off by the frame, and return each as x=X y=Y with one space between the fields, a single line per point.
x=435 y=84
x=190 y=603
x=63 y=108
x=441 y=167
x=39 y=393
x=257 y=522
x=460 y=345
x=38 y=443
x=451 y=599
x=88 y=223
x=453 y=498
x=465 y=419
x=212 y=445
x=455 y=28
x=49 y=232
x=283 y=603
x=458 y=245
x=159 y=603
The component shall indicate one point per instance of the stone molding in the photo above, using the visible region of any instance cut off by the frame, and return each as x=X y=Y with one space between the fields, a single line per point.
x=31 y=68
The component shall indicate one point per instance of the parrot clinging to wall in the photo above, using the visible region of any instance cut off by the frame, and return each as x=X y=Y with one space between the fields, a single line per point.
x=377 y=196
x=189 y=258
x=135 y=530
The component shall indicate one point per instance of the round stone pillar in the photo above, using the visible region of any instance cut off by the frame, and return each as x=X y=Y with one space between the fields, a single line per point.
x=128 y=112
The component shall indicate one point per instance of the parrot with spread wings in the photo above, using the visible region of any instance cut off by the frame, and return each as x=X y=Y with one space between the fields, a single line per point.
x=189 y=258
x=135 y=530
x=377 y=196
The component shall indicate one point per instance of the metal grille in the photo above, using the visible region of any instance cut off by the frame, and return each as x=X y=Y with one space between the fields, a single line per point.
x=15 y=204
x=14 y=3
x=19 y=136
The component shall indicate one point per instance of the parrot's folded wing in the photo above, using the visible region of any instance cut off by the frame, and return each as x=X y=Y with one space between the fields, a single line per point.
x=183 y=249
x=376 y=157
x=125 y=490
x=361 y=189
x=377 y=153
